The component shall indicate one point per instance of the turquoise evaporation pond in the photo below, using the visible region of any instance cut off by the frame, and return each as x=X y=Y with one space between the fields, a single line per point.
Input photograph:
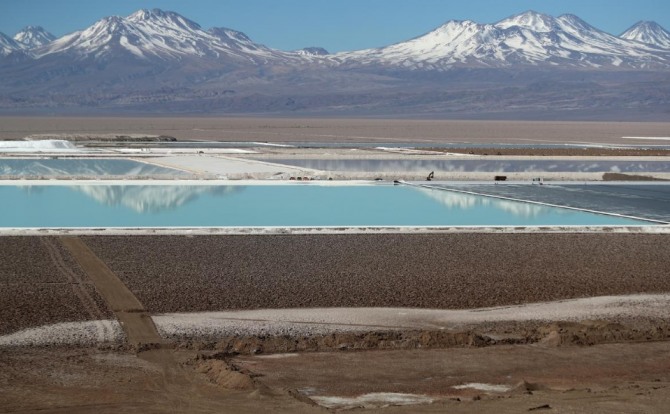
x=99 y=205
x=65 y=167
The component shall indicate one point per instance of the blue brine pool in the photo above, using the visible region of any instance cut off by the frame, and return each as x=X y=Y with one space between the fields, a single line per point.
x=284 y=205
x=68 y=167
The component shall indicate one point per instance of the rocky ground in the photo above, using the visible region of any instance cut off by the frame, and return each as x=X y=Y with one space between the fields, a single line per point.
x=443 y=271
x=42 y=284
x=489 y=367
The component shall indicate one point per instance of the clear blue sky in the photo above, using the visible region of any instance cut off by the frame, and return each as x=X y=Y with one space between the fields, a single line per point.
x=334 y=24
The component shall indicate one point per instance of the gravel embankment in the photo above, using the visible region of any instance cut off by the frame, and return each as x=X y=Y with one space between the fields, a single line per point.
x=448 y=271
x=42 y=284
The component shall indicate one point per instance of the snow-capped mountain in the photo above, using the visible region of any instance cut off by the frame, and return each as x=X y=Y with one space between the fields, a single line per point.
x=312 y=51
x=156 y=34
x=648 y=32
x=7 y=45
x=33 y=36
x=156 y=61
x=529 y=39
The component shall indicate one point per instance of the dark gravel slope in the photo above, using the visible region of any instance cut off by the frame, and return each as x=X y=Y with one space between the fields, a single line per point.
x=40 y=283
x=201 y=273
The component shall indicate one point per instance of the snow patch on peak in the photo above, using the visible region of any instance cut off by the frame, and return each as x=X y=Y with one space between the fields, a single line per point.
x=8 y=45
x=164 y=18
x=150 y=14
x=573 y=24
x=312 y=51
x=224 y=32
x=531 y=20
x=648 y=32
x=33 y=36
x=454 y=27
x=145 y=14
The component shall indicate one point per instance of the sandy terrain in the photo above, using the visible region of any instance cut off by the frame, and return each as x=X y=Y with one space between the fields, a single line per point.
x=467 y=380
x=346 y=130
x=601 y=378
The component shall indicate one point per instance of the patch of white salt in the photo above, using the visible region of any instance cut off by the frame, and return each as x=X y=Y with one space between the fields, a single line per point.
x=483 y=387
x=47 y=145
x=373 y=400
x=66 y=333
x=277 y=356
x=329 y=320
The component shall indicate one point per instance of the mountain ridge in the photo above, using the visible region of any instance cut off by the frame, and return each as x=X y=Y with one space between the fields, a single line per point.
x=33 y=36
x=168 y=35
x=151 y=34
x=160 y=61
x=648 y=32
x=529 y=38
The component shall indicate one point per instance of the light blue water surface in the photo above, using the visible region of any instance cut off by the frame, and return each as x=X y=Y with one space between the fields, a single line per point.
x=66 y=167
x=479 y=165
x=99 y=205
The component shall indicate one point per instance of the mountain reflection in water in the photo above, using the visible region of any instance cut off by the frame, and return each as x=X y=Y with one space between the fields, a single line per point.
x=461 y=201
x=461 y=166
x=152 y=198
x=82 y=167
x=156 y=205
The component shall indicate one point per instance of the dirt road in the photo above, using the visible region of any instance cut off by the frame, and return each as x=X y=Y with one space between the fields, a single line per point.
x=135 y=320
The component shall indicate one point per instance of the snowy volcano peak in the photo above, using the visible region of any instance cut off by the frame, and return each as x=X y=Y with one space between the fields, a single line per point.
x=569 y=23
x=574 y=21
x=312 y=51
x=108 y=24
x=529 y=39
x=8 y=45
x=455 y=28
x=155 y=34
x=152 y=14
x=96 y=40
x=531 y=20
x=33 y=36
x=648 y=32
x=229 y=34
x=161 y=18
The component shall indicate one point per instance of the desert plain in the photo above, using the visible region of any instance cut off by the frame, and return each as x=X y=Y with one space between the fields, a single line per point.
x=550 y=320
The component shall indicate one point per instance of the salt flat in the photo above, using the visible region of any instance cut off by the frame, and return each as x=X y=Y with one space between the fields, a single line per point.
x=217 y=294
x=298 y=322
x=229 y=167
x=278 y=130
